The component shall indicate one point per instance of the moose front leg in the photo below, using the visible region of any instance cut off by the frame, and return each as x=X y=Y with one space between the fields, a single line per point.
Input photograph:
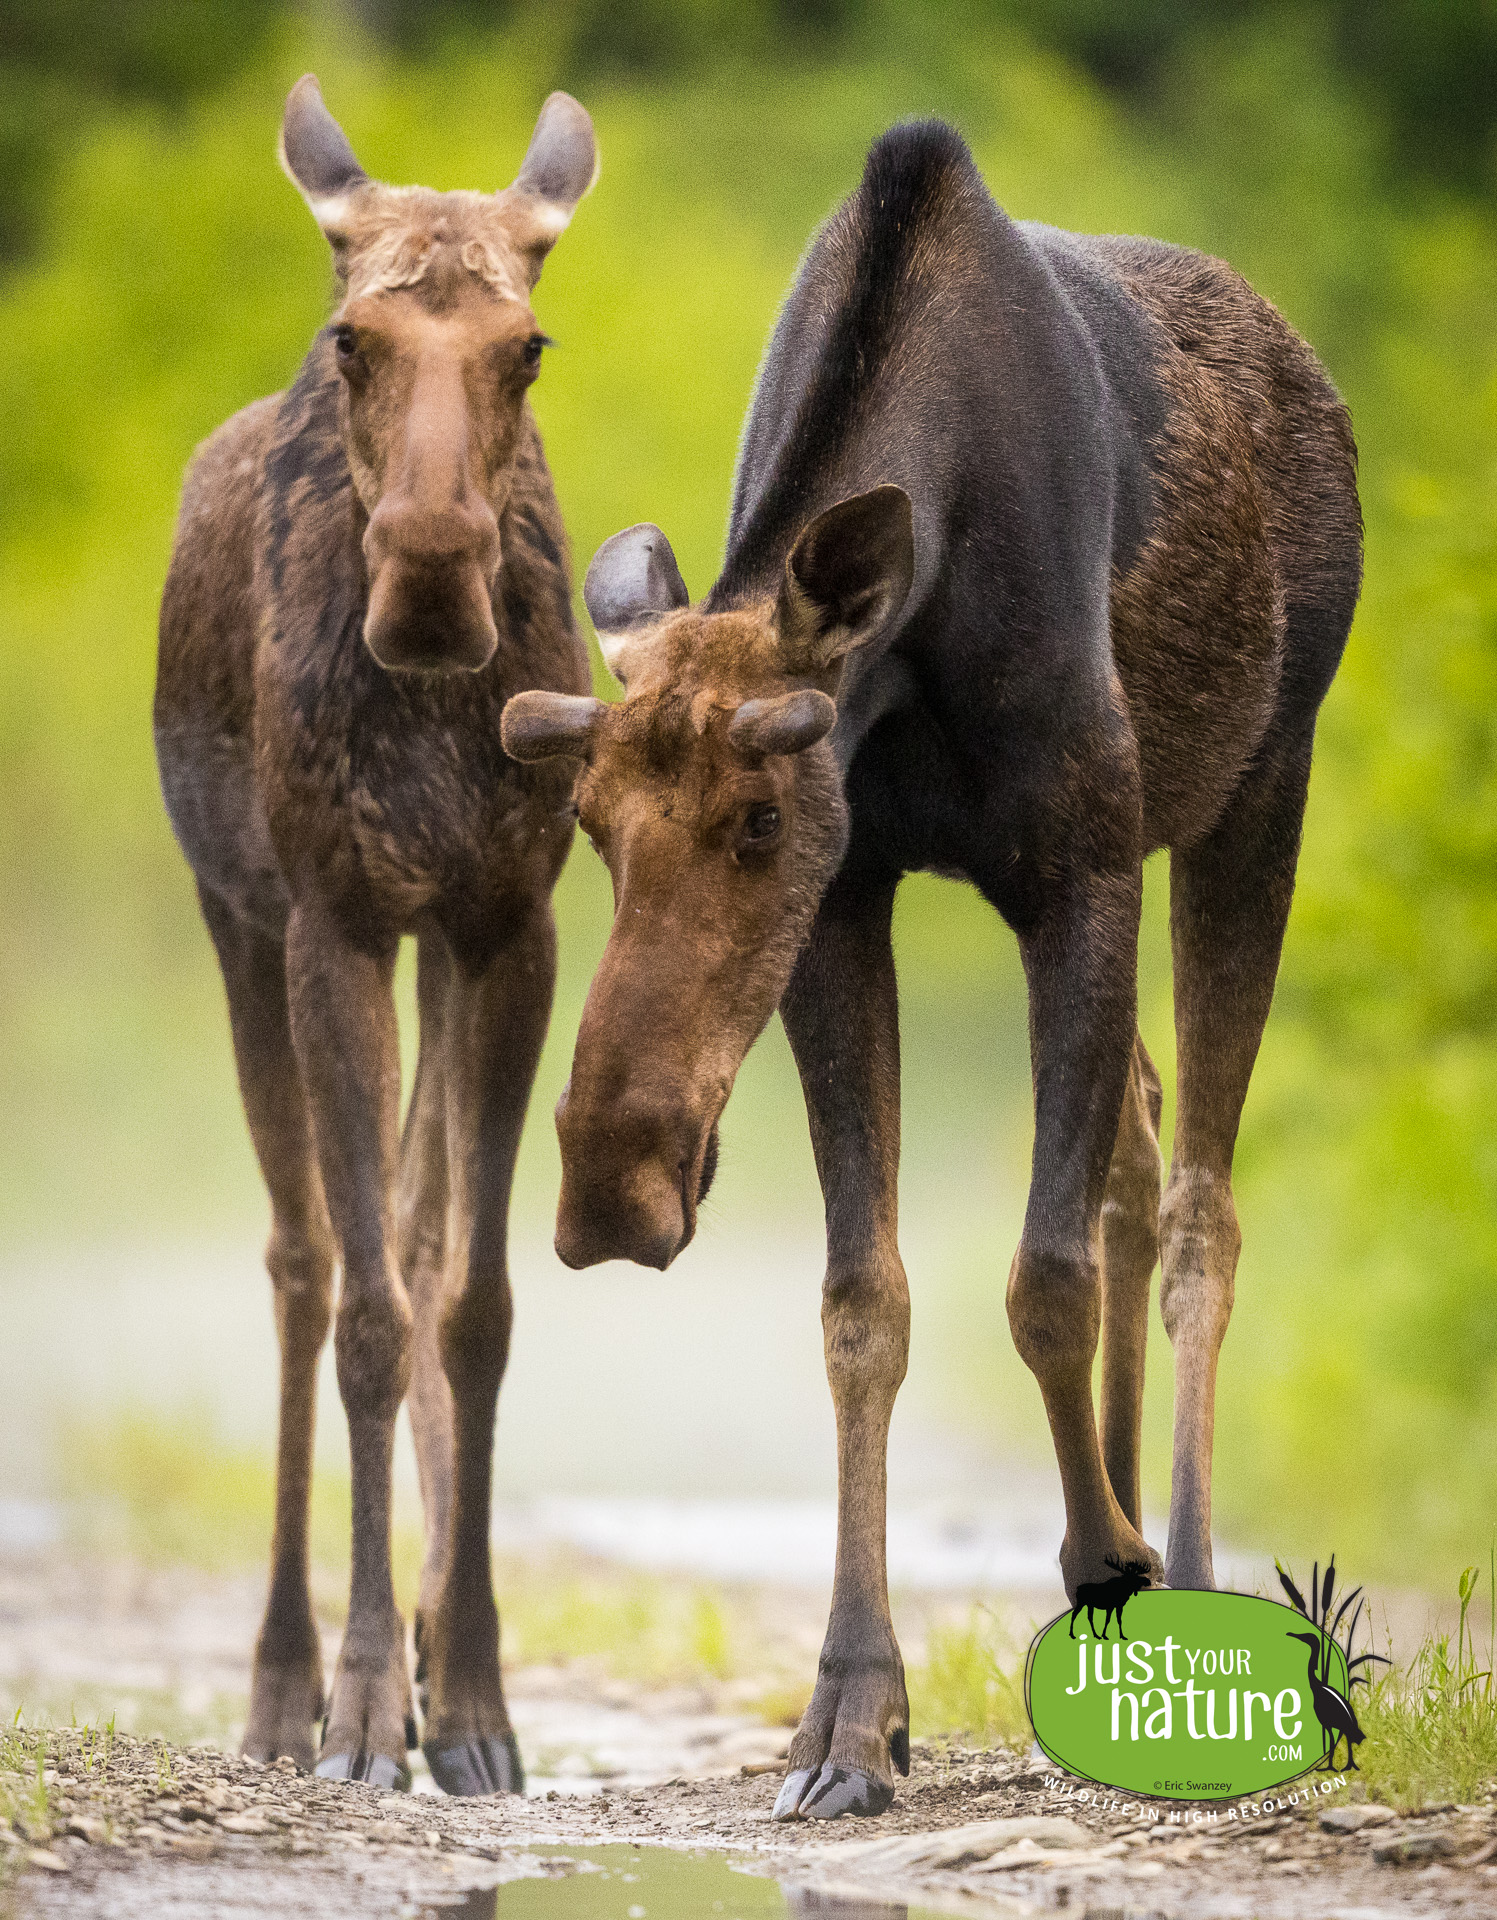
x=1080 y=963
x=494 y=1025
x=842 y=1016
x=286 y=1692
x=343 y=1025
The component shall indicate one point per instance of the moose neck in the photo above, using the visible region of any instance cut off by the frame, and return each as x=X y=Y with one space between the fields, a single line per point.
x=838 y=411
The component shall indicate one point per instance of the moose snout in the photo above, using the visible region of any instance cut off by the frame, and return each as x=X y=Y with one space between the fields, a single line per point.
x=633 y=1174
x=431 y=574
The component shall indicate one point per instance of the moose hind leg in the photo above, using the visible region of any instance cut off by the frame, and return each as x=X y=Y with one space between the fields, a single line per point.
x=286 y=1693
x=1130 y=1249
x=1079 y=959
x=1229 y=904
x=421 y=1220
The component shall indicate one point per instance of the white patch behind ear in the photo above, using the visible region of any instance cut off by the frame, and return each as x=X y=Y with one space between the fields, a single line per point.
x=617 y=649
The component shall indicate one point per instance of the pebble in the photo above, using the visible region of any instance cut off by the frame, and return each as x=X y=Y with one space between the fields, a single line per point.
x=1413 y=1843
x=1353 y=1819
x=253 y=1822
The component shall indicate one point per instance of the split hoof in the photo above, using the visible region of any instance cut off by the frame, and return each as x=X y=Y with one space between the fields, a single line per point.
x=478 y=1767
x=828 y=1792
x=373 y=1769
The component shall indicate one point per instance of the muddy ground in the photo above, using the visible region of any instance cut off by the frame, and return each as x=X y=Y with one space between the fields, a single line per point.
x=129 y=1825
x=134 y=1827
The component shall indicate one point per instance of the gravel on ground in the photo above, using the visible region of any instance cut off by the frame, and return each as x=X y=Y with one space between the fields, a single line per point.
x=124 y=1825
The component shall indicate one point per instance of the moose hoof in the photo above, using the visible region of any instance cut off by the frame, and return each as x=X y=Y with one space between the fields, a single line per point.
x=828 y=1792
x=487 y=1766
x=374 y=1769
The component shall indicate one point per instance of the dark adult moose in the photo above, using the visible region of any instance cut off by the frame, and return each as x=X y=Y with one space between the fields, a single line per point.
x=1042 y=555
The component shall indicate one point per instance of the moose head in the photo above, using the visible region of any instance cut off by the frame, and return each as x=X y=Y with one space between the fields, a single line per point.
x=435 y=345
x=713 y=794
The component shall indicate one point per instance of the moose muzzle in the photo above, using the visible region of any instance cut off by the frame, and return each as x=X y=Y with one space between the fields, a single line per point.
x=431 y=577
x=637 y=1160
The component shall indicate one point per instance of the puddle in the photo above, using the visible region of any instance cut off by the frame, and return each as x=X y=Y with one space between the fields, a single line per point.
x=661 y=1883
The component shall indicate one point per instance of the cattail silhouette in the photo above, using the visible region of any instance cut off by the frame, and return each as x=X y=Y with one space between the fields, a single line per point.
x=1318 y=1611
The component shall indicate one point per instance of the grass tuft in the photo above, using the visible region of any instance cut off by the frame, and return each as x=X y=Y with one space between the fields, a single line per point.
x=970 y=1685
x=1431 y=1726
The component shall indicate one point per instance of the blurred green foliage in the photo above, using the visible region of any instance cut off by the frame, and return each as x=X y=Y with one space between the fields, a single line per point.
x=173 y=276
x=1427 y=69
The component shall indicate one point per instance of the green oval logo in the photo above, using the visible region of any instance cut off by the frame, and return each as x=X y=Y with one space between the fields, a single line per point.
x=1192 y=1696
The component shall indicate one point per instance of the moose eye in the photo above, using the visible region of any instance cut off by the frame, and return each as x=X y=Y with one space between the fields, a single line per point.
x=345 y=345
x=533 y=349
x=761 y=824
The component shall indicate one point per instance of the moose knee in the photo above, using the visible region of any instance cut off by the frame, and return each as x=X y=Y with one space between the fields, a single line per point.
x=1199 y=1244
x=1054 y=1306
x=373 y=1348
x=475 y=1340
x=300 y=1265
x=865 y=1323
x=1130 y=1235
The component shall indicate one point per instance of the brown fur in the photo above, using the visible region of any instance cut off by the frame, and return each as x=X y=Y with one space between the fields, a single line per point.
x=1253 y=510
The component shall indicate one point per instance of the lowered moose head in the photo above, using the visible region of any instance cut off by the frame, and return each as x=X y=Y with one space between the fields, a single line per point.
x=436 y=346
x=714 y=797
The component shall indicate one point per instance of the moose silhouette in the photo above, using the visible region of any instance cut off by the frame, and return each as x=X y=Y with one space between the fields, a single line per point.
x=1131 y=1577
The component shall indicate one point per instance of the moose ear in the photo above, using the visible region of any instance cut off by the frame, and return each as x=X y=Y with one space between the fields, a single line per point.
x=846 y=578
x=560 y=167
x=318 y=160
x=633 y=579
x=541 y=725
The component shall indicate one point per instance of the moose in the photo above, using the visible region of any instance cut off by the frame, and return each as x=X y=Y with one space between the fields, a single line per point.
x=1042 y=554
x=1129 y=1577
x=366 y=567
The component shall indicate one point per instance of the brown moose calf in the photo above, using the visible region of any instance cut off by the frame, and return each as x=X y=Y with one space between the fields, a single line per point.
x=365 y=569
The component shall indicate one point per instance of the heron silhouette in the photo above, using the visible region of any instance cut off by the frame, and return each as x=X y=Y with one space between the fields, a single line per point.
x=1332 y=1710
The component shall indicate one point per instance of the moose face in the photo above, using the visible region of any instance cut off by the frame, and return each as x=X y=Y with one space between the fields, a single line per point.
x=436 y=347
x=715 y=799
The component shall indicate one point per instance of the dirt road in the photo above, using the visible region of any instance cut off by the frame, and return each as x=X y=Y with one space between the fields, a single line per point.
x=133 y=1827
x=633 y=1786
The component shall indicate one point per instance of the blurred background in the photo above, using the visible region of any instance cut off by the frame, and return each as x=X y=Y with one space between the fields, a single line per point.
x=157 y=272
